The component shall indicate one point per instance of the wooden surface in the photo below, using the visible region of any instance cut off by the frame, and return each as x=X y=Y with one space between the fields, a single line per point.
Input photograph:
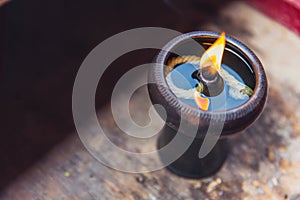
x=264 y=162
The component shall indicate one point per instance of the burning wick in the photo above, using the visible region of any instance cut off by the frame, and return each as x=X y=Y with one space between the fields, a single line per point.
x=210 y=63
x=212 y=57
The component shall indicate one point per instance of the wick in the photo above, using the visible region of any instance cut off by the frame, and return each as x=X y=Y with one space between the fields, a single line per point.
x=209 y=73
x=211 y=80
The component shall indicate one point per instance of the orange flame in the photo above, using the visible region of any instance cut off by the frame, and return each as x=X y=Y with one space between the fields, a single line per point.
x=202 y=102
x=212 y=57
x=214 y=54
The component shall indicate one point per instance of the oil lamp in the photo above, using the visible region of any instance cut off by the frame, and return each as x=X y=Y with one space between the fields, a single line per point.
x=226 y=81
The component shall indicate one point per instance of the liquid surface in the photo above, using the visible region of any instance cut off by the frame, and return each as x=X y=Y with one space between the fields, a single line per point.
x=183 y=86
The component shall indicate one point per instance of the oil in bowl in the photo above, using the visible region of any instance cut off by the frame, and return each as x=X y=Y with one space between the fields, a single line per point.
x=182 y=83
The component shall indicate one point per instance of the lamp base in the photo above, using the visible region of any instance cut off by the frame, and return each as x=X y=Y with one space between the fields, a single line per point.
x=189 y=165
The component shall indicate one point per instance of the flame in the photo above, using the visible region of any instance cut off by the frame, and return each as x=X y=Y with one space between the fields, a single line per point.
x=214 y=54
x=202 y=102
x=212 y=57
